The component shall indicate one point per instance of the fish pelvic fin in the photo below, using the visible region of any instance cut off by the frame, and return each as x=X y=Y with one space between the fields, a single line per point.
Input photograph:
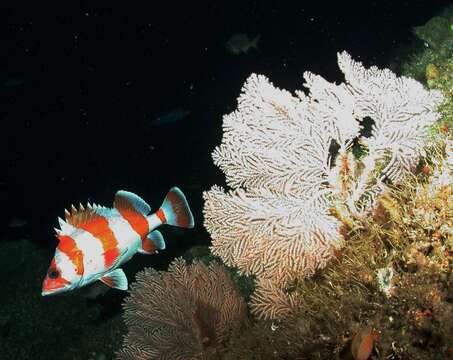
x=115 y=279
x=175 y=210
x=254 y=43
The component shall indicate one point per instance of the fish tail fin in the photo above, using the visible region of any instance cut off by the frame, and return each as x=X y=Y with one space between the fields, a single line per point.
x=255 y=41
x=176 y=210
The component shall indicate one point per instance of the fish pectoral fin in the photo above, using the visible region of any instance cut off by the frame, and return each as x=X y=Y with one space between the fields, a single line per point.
x=115 y=279
x=152 y=243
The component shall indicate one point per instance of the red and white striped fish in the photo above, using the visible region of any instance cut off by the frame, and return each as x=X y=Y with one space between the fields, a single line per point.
x=95 y=241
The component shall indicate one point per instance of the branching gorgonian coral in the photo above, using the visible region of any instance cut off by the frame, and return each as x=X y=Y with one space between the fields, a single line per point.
x=276 y=222
x=185 y=313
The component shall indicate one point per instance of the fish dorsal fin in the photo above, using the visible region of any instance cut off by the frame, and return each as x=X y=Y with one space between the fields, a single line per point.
x=82 y=215
x=115 y=279
x=65 y=227
x=127 y=201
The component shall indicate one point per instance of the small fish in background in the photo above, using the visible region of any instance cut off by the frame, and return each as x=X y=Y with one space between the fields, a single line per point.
x=13 y=82
x=241 y=44
x=170 y=117
x=17 y=222
x=95 y=241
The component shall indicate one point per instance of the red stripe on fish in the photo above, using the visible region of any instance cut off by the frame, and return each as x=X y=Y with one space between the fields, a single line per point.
x=110 y=256
x=160 y=214
x=136 y=220
x=98 y=226
x=68 y=246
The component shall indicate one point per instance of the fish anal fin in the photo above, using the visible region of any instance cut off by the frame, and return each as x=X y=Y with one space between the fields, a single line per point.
x=151 y=243
x=115 y=279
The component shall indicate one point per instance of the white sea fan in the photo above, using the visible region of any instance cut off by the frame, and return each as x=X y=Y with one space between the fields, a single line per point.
x=265 y=144
x=270 y=235
x=276 y=156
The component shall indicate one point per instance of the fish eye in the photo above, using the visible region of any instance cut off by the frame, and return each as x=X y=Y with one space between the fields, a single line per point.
x=53 y=273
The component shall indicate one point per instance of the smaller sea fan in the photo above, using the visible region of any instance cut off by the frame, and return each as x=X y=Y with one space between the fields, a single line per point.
x=185 y=313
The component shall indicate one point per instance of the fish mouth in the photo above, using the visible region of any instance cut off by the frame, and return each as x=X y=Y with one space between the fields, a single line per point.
x=52 y=286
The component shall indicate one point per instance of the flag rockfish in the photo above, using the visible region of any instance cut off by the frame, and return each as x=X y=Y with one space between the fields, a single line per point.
x=95 y=241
